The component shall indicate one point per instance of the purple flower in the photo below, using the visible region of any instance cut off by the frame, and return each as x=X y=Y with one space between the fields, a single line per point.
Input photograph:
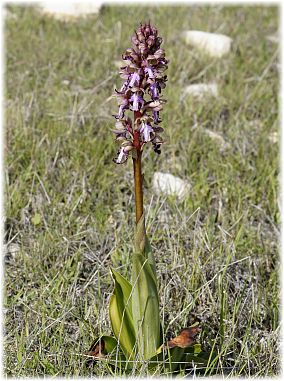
x=154 y=91
x=134 y=78
x=121 y=111
x=124 y=86
x=143 y=81
x=146 y=130
x=156 y=117
x=150 y=72
x=122 y=156
x=136 y=99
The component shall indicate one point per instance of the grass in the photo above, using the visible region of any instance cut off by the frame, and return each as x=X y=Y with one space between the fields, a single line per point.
x=70 y=210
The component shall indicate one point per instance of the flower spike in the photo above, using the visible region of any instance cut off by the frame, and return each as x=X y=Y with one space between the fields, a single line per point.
x=144 y=79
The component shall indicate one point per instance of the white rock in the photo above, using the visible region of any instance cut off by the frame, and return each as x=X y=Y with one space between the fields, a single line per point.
x=273 y=137
x=66 y=82
x=170 y=185
x=9 y=15
x=68 y=11
x=201 y=90
x=12 y=249
x=215 y=45
x=217 y=138
x=273 y=38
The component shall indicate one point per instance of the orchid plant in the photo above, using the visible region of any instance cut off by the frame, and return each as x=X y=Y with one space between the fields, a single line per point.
x=134 y=305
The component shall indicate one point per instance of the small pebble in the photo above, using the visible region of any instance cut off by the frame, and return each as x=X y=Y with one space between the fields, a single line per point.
x=273 y=38
x=69 y=11
x=170 y=185
x=215 y=45
x=273 y=137
x=9 y=15
x=66 y=82
x=217 y=138
x=201 y=90
x=11 y=250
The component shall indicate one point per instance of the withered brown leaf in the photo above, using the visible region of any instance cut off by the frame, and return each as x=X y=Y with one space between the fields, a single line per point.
x=95 y=352
x=184 y=339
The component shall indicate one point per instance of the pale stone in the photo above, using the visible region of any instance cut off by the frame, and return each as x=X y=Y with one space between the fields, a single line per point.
x=201 y=90
x=217 y=138
x=255 y=123
x=273 y=137
x=215 y=45
x=9 y=15
x=273 y=38
x=68 y=11
x=66 y=82
x=170 y=185
x=12 y=249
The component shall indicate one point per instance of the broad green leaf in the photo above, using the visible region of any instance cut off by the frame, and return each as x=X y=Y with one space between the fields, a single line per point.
x=196 y=349
x=145 y=307
x=120 y=314
x=116 y=358
x=195 y=355
x=126 y=289
x=171 y=358
x=110 y=343
x=176 y=357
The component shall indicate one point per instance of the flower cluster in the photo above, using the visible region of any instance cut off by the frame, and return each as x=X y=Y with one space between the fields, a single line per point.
x=144 y=79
